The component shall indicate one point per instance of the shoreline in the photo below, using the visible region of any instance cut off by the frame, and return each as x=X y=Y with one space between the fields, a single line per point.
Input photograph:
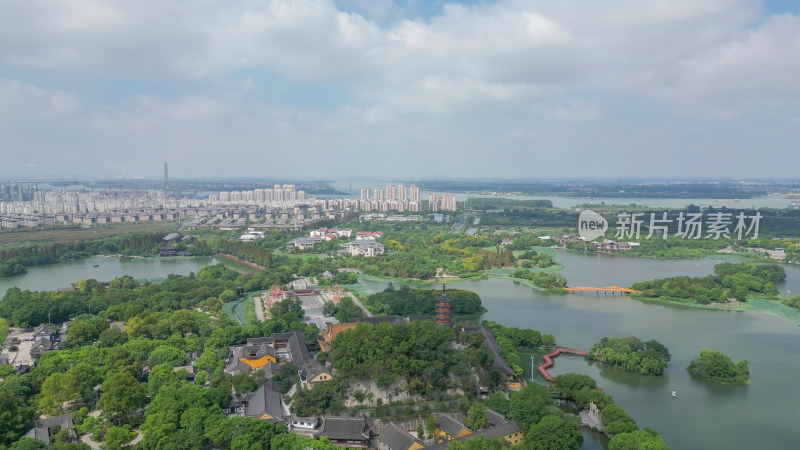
x=756 y=304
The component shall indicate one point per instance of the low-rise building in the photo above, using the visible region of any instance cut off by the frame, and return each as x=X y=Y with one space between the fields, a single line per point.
x=498 y=427
x=40 y=429
x=366 y=248
x=349 y=432
x=448 y=428
x=395 y=438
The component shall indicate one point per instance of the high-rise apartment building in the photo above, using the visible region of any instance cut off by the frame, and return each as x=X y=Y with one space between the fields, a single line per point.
x=448 y=202
x=402 y=193
x=433 y=203
x=391 y=192
x=365 y=193
x=378 y=194
x=413 y=193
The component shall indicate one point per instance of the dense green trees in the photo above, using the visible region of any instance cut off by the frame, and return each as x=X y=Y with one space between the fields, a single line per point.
x=582 y=390
x=406 y=301
x=344 y=310
x=125 y=298
x=122 y=395
x=718 y=367
x=15 y=259
x=793 y=302
x=509 y=339
x=631 y=354
x=246 y=251
x=14 y=416
x=325 y=397
x=529 y=405
x=637 y=440
x=554 y=432
x=541 y=279
x=85 y=329
x=476 y=417
x=730 y=280
x=418 y=351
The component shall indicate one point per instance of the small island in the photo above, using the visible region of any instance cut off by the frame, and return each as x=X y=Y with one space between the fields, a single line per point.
x=718 y=367
x=631 y=354
x=730 y=285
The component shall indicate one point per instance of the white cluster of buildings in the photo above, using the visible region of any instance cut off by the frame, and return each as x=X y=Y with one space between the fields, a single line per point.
x=275 y=195
x=281 y=204
x=65 y=202
x=403 y=198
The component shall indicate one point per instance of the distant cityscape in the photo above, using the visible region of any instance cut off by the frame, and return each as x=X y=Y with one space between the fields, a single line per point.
x=281 y=206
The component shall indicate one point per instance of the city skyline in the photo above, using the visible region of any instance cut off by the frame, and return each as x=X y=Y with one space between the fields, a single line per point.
x=321 y=89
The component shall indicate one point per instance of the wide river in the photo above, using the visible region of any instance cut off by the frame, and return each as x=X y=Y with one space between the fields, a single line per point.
x=703 y=416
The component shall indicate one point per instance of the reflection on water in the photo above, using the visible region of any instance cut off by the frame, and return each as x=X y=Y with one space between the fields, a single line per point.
x=707 y=416
x=47 y=278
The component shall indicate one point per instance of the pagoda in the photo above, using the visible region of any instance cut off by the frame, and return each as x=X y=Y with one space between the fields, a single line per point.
x=443 y=309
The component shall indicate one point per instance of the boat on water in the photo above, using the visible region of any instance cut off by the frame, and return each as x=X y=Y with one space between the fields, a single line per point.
x=674 y=394
x=97 y=265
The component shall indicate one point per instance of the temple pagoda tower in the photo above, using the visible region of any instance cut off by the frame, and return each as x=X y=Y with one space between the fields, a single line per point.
x=443 y=309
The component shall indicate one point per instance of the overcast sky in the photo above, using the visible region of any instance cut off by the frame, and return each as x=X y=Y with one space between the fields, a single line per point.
x=411 y=89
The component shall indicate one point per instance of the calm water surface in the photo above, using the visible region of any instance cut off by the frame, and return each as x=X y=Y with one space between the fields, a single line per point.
x=703 y=416
x=49 y=278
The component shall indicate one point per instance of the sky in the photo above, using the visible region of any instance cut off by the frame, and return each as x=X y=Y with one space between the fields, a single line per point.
x=404 y=89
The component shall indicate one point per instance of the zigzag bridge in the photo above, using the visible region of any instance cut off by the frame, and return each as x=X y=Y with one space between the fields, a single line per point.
x=548 y=360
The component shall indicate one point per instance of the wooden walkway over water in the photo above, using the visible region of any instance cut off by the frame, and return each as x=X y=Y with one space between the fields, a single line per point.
x=548 y=360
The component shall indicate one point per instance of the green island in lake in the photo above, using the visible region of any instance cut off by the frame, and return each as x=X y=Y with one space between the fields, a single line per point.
x=718 y=367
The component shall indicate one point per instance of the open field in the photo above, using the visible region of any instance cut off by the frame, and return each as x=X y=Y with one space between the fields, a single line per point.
x=80 y=234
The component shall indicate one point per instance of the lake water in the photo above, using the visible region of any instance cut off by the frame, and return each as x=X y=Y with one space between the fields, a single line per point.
x=704 y=415
x=52 y=277
x=771 y=201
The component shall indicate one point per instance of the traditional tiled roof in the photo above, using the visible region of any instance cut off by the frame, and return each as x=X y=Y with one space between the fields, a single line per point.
x=500 y=363
x=345 y=428
x=40 y=428
x=396 y=438
x=264 y=400
x=449 y=425
x=495 y=418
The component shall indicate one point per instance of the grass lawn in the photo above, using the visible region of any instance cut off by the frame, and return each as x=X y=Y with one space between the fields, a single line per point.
x=81 y=234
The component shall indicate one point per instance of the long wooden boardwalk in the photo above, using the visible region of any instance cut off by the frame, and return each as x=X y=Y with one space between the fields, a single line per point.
x=548 y=360
x=612 y=289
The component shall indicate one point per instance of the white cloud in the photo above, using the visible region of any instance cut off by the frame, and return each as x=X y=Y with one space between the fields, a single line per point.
x=513 y=78
x=17 y=98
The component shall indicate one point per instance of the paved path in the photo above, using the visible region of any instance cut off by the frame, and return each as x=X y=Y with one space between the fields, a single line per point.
x=259 y=308
x=357 y=302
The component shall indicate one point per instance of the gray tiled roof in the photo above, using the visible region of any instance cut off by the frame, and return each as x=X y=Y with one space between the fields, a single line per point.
x=396 y=438
x=449 y=425
x=264 y=400
x=345 y=428
x=491 y=433
x=499 y=362
x=41 y=427
x=495 y=418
